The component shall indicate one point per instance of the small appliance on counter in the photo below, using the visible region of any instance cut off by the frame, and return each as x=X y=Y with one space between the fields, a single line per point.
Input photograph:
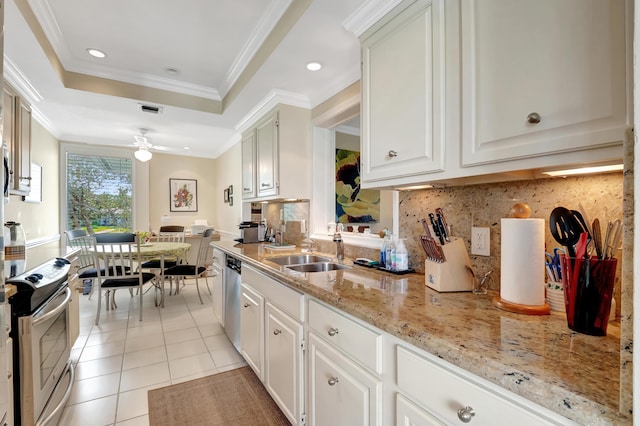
x=249 y=232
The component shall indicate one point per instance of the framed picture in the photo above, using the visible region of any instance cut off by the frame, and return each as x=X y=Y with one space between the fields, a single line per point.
x=226 y=195
x=183 y=195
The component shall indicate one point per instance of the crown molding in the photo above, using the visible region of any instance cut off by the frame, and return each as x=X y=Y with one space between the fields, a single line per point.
x=20 y=82
x=273 y=98
x=368 y=14
x=274 y=12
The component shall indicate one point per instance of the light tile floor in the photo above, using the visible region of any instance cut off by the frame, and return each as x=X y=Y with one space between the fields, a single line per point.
x=120 y=359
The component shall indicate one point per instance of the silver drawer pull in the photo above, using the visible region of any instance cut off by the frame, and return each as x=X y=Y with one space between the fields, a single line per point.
x=246 y=305
x=276 y=332
x=466 y=414
x=392 y=153
x=263 y=184
x=332 y=331
x=533 y=118
x=332 y=381
x=246 y=189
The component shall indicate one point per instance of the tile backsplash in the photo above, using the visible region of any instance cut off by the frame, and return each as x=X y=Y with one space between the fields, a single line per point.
x=484 y=205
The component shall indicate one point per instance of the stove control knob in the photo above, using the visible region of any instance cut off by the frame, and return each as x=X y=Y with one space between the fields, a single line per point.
x=32 y=279
x=58 y=264
x=63 y=260
x=38 y=276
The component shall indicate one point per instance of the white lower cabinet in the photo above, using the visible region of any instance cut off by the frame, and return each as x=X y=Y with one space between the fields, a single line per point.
x=340 y=391
x=252 y=329
x=409 y=414
x=284 y=361
x=459 y=397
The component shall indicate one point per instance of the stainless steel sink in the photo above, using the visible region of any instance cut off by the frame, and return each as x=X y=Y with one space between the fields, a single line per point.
x=318 y=267
x=297 y=259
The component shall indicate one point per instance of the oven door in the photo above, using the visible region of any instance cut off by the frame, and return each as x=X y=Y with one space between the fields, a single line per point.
x=44 y=358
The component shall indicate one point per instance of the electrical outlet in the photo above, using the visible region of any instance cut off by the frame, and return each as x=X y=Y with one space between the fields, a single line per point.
x=480 y=241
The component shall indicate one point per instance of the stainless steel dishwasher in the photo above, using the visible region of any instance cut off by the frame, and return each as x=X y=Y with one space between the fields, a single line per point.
x=232 y=282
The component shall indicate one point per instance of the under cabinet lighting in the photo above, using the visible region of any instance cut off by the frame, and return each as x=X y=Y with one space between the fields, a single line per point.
x=585 y=170
x=410 y=188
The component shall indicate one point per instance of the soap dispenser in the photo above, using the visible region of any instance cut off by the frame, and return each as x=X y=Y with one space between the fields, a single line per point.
x=402 y=256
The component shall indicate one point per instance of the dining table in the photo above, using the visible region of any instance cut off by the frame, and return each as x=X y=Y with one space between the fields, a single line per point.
x=160 y=250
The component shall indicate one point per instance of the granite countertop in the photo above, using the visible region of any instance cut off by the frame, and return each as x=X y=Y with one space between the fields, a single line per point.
x=536 y=357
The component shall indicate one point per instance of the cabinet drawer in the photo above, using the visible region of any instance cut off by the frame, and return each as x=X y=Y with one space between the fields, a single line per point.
x=443 y=391
x=363 y=344
x=279 y=294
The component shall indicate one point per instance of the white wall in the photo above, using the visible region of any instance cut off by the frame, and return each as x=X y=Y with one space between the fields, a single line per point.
x=228 y=171
x=163 y=167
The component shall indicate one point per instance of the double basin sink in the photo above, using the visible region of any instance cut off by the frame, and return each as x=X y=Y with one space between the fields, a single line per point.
x=307 y=263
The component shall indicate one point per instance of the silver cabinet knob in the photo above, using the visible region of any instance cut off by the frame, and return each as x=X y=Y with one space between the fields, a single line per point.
x=276 y=332
x=246 y=189
x=332 y=381
x=332 y=331
x=246 y=305
x=533 y=118
x=263 y=184
x=466 y=414
x=392 y=153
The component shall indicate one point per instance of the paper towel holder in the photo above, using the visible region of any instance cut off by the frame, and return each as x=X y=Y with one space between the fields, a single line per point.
x=521 y=211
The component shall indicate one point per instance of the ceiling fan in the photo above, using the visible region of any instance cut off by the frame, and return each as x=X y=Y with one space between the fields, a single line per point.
x=144 y=146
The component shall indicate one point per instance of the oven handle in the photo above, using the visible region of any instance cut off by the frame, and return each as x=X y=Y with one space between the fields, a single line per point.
x=61 y=307
x=66 y=396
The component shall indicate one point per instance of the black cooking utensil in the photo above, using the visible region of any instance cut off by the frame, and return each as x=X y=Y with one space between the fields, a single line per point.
x=565 y=228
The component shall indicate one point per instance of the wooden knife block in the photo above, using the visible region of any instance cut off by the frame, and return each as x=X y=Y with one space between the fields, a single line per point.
x=454 y=274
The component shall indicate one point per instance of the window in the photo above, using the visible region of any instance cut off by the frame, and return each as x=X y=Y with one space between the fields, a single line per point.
x=99 y=192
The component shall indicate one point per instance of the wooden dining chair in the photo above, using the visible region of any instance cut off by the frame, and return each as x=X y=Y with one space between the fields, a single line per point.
x=119 y=269
x=188 y=271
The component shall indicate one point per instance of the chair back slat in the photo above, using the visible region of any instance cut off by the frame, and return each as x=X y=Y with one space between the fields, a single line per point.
x=169 y=237
x=203 y=250
x=86 y=258
x=120 y=260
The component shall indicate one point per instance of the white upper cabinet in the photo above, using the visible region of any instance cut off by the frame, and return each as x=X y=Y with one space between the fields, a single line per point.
x=403 y=92
x=276 y=155
x=469 y=91
x=542 y=77
x=248 y=164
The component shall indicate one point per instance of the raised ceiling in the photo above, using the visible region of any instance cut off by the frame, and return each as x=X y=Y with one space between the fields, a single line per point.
x=232 y=57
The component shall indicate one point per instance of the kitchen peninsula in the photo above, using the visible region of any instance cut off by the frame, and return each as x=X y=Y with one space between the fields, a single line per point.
x=535 y=357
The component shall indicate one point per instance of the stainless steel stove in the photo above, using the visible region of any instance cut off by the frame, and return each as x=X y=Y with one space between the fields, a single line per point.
x=42 y=347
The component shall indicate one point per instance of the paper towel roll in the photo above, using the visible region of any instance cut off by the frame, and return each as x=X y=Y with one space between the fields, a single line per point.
x=522 y=276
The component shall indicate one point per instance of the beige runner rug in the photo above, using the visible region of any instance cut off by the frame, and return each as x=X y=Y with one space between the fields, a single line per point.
x=235 y=397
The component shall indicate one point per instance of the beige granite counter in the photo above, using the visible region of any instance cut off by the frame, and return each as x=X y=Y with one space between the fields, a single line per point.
x=537 y=357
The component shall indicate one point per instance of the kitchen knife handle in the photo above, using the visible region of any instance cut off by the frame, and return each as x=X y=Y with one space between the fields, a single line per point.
x=443 y=227
x=436 y=228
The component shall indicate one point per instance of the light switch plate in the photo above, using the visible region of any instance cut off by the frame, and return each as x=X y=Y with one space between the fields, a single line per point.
x=480 y=243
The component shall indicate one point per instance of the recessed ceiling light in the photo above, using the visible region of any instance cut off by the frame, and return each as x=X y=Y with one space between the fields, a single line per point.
x=172 y=70
x=186 y=148
x=313 y=66
x=96 y=53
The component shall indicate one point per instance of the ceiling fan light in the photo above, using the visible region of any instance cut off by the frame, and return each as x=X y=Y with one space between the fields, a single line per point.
x=143 y=155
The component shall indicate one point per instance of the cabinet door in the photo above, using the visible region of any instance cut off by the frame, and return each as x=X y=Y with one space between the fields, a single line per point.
x=23 y=149
x=267 y=155
x=340 y=391
x=248 y=165
x=252 y=329
x=562 y=60
x=409 y=414
x=283 y=354
x=8 y=124
x=403 y=93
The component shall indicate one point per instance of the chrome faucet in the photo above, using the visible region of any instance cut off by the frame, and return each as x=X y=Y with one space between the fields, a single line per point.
x=337 y=238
